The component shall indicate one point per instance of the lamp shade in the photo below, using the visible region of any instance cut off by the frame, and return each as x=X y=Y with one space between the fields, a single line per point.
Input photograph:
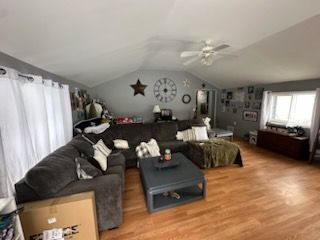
x=156 y=109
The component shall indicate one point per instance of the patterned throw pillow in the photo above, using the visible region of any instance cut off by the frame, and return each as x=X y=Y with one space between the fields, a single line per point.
x=186 y=135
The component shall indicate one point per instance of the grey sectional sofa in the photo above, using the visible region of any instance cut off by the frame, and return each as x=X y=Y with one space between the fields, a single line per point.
x=56 y=176
x=164 y=133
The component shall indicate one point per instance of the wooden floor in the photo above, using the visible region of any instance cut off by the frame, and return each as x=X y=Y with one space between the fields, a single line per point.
x=271 y=197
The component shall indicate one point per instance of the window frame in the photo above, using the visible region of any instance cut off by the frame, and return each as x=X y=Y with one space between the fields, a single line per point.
x=289 y=93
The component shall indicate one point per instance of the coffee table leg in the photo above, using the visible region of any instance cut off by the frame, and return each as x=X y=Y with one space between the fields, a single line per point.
x=150 y=201
x=204 y=188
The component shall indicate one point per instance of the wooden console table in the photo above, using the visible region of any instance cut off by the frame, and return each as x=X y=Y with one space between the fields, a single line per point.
x=295 y=147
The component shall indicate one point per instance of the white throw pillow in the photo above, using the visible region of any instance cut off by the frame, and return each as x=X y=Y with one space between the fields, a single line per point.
x=200 y=133
x=188 y=135
x=121 y=144
x=179 y=135
x=97 y=129
x=101 y=153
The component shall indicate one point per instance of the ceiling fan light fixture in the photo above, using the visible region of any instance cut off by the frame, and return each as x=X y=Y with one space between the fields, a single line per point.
x=207 y=61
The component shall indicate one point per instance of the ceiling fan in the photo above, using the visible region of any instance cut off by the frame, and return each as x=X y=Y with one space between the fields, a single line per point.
x=206 y=53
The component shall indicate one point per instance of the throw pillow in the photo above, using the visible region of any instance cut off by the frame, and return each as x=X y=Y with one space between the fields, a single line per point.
x=179 y=135
x=101 y=153
x=90 y=168
x=200 y=133
x=121 y=144
x=97 y=129
x=85 y=170
x=187 y=135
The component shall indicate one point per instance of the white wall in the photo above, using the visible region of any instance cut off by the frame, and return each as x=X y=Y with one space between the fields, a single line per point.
x=120 y=100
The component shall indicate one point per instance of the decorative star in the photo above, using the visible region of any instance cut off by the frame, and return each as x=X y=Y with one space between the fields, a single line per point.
x=186 y=82
x=138 y=88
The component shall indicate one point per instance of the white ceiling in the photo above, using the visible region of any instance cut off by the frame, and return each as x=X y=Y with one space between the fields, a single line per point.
x=96 y=41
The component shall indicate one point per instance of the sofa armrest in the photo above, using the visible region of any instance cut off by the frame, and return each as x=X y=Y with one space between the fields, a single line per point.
x=108 y=197
x=116 y=159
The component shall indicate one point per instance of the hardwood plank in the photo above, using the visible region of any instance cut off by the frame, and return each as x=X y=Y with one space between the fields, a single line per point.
x=271 y=197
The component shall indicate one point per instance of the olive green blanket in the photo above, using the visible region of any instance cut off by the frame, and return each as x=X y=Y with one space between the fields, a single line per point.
x=217 y=152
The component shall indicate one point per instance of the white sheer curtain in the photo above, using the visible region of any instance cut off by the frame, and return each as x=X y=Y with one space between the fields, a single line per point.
x=265 y=109
x=35 y=120
x=315 y=122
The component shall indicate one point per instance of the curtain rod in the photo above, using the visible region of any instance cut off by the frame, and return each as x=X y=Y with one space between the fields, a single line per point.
x=3 y=72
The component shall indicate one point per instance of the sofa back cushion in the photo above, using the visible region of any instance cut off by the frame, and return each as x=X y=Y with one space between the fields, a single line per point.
x=82 y=145
x=54 y=172
x=186 y=124
x=133 y=133
x=165 y=131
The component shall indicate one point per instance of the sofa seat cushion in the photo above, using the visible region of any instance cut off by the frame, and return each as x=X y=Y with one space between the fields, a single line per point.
x=88 y=168
x=174 y=146
x=54 y=172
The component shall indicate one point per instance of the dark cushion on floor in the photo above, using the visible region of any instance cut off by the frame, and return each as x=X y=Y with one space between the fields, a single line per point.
x=174 y=146
x=164 y=131
x=54 y=172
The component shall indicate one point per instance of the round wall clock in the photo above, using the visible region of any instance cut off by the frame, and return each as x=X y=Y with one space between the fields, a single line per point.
x=165 y=90
x=186 y=98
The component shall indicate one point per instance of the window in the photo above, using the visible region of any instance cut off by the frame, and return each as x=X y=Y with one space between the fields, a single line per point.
x=292 y=108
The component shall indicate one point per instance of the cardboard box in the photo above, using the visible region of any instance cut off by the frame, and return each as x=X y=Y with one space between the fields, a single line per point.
x=76 y=214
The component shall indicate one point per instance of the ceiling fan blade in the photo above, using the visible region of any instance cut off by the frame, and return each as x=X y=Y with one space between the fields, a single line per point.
x=189 y=54
x=220 y=47
x=225 y=54
x=191 y=60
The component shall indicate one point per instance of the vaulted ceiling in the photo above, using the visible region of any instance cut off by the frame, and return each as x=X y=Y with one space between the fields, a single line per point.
x=95 y=41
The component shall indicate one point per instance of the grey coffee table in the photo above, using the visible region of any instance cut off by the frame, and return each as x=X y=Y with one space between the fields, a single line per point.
x=183 y=179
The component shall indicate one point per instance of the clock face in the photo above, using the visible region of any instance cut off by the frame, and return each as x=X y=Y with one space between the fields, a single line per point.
x=165 y=90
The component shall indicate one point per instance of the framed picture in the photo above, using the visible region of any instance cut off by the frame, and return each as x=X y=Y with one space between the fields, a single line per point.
x=251 y=116
x=227 y=102
x=251 y=89
x=256 y=105
x=229 y=95
x=222 y=100
x=258 y=93
x=247 y=105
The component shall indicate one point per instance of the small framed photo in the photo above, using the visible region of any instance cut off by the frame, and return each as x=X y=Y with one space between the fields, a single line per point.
x=251 y=116
x=259 y=93
x=256 y=105
x=247 y=105
x=229 y=95
x=251 y=89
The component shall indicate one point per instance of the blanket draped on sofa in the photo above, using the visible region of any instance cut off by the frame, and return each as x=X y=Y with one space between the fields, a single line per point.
x=217 y=152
